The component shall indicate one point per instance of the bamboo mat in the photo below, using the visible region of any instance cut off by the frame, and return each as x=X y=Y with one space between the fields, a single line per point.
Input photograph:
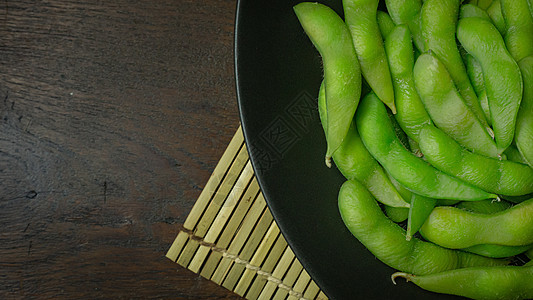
x=230 y=237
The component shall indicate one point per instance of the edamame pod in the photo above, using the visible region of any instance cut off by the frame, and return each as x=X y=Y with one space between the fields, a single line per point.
x=501 y=75
x=396 y=214
x=471 y=10
x=411 y=114
x=407 y=12
x=484 y=4
x=438 y=23
x=342 y=74
x=355 y=162
x=455 y=228
x=475 y=73
x=513 y=154
x=497 y=251
x=507 y=282
x=419 y=211
x=495 y=13
x=378 y=136
x=386 y=240
x=385 y=23
x=488 y=206
x=447 y=109
x=493 y=175
x=524 y=121
x=519 y=28
x=360 y=16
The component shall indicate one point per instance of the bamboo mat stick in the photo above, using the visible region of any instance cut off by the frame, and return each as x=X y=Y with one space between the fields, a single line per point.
x=312 y=290
x=289 y=279
x=231 y=228
x=268 y=266
x=222 y=218
x=300 y=285
x=204 y=199
x=230 y=236
x=257 y=211
x=280 y=270
x=212 y=210
x=247 y=252
x=257 y=259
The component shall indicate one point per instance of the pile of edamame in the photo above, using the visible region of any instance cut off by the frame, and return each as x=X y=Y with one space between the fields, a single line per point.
x=438 y=155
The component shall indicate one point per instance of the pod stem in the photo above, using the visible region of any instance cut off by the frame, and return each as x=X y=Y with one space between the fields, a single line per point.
x=407 y=276
x=328 y=161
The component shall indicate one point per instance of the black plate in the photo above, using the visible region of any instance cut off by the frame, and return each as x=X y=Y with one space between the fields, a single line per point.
x=278 y=74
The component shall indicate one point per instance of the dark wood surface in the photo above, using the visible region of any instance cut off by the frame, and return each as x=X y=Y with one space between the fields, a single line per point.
x=113 y=116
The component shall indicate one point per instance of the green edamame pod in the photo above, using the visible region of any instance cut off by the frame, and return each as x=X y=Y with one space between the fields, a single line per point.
x=438 y=23
x=506 y=282
x=471 y=10
x=488 y=206
x=495 y=13
x=361 y=18
x=379 y=137
x=407 y=12
x=513 y=154
x=342 y=74
x=385 y=23
x=396 y=214
x=355 y=162
x=493 y=175
x=411 y=114
x=447 y=108
x=529 y=253
x=524 y=120
x=386 y=240
x=484 y=4
x=455 y=228
x=519 y=28
x=475 y=73
x=419 y=211
x=496 y=251
x=501 y=75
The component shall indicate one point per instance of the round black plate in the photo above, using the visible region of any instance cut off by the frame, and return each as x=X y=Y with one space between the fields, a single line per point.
x=278 y=74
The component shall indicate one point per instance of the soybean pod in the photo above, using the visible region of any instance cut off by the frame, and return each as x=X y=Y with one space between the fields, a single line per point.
x=407 y=12
x=438 y=23
x=355 y=162
x=342 y=73
x=495 y=13
x=455 y=228
x=447 y=108
x=386 y=239
x=361 y=18
x=385 y=23
x=507 y=282
x=409 y=170
x=501 y=75
x=419 y=210
x=411 y=114
x=524 y=121
x=493 y=175
x=518 y=28
x=488 y=206
x=497 y=251
x=471 y=10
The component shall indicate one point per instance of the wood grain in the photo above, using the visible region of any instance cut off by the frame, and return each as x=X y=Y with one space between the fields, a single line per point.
x=113 y=114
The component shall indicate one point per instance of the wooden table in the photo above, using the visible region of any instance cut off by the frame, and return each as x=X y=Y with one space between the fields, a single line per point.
x=113 y=116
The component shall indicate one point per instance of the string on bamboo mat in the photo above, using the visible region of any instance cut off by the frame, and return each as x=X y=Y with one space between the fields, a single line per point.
x=236 y=259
